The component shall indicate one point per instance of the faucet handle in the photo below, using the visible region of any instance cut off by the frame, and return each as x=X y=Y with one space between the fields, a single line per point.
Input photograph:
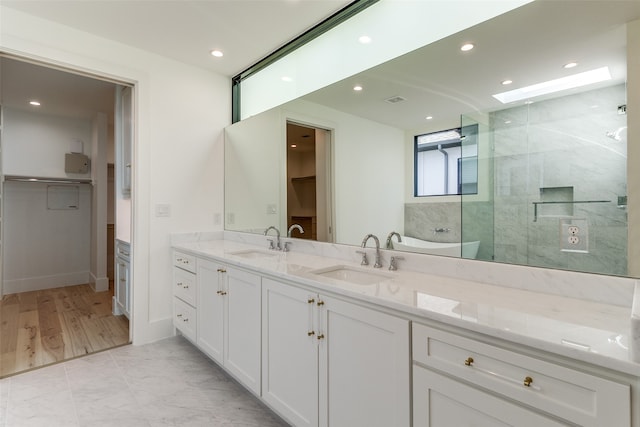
x=392 y=264
x=364 y=258
x=271 y=246
x=285 y=247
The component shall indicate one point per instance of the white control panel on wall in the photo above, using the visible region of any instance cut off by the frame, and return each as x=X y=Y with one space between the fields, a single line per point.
x=574 y=235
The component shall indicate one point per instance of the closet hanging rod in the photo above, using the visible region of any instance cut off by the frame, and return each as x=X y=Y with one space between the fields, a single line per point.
x=46 y=180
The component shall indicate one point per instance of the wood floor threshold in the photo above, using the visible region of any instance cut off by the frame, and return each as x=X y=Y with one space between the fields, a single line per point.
x=45 y=327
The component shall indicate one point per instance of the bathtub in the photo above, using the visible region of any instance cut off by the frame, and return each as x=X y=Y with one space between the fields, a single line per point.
x=411 y=244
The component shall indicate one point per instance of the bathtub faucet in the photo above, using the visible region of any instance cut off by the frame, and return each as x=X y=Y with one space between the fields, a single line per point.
x=390 y=236
x=441 y=230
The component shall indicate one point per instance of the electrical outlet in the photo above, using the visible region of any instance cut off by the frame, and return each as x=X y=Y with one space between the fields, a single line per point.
x=574 y=236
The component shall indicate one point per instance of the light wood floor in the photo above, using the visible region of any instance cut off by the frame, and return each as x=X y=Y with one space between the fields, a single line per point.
x=43 y=327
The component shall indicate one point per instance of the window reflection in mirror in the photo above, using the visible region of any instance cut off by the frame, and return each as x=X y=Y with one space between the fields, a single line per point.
x=440 y=168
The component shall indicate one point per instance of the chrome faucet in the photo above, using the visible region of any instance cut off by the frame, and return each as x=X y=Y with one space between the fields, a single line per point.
x=377 y=264
x=390 y=236
x=271 y=245
x=295 y=227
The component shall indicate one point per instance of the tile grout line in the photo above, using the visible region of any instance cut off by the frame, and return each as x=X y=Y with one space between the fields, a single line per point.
x=73 y=400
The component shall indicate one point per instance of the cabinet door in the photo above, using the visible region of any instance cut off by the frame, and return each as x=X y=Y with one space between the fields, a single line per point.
x=364 y=367
x=210 y=309
x=122 y=288
x=440 y=401
x=290 y=352
x=242 y=333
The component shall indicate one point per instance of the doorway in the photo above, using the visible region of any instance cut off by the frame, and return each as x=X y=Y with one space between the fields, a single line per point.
x=60 y=215
x=309 y=200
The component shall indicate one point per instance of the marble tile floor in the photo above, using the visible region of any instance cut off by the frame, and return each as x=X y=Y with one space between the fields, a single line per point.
x=168 y=383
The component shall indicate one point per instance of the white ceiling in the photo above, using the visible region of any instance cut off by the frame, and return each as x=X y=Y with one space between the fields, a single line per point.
x=528 y=45
x=184 y=30
x=187 y=30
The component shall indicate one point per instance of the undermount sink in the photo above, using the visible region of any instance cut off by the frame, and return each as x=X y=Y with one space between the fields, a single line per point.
x=254 y=253
x=353 y=275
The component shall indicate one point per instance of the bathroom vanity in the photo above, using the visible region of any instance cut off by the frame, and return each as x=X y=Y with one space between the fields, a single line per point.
x=324 y=341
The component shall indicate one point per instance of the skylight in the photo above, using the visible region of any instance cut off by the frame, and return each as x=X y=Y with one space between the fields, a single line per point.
x=557 y=85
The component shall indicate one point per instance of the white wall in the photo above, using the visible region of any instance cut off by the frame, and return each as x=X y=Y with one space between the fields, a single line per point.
x=368 y=162
x=35 y=144
x=180 y=113
x=44 y=248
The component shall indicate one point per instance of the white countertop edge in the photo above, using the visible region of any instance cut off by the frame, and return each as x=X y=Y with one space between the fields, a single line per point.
x=215 y=251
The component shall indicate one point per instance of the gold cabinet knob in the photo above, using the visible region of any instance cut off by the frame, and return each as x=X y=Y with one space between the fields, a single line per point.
x=311 y=333
x=311 y=301
x=320 y=303
x=527 y=381
x=321 y=336
x=469 y=361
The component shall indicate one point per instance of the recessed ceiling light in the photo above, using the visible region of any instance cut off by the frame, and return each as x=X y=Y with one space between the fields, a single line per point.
x=557 y=85
x=286 y=79
x=217 y=53
x=34 y=103
x=429 y=117
x=364 y=39
x=507 y=122
x=466 y=47
x=357 y=88
x=507 y=82
x=570 y=65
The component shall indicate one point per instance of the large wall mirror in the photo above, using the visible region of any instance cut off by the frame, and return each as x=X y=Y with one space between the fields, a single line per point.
x=539 y=107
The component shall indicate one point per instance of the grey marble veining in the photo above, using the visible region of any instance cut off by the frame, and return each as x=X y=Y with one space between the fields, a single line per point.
x=167 y=383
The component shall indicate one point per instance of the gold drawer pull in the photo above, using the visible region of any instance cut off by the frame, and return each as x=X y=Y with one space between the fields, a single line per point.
x=320 y=303
x=311 y=333
x=469 y=361
x=528 y=381
x=222 y=270
x=311 y=301
x=185 y=287
x=321 y=336
x=223 y=293
x=179 y=283
x=178 y=315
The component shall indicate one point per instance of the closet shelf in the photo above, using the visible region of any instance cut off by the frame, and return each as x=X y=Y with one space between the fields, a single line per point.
x=303 y=178
x=17 y=178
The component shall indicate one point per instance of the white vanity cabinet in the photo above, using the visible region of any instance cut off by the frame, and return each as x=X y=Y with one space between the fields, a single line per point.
x=122 y=291
x=185 y=294
x=475 y=381
x=328 y=362
x=229 y=303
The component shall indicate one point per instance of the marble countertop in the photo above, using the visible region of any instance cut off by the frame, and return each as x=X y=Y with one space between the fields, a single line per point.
x=583 y=330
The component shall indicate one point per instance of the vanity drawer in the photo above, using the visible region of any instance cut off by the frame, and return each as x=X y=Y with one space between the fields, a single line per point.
x=184 y=261
x=184 y=318
x=581 y=398
x=184 y=286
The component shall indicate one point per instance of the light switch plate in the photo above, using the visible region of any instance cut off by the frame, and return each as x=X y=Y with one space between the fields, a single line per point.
x=163 y=210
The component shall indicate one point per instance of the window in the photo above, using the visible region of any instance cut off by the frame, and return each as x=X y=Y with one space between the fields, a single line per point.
x=444 y=164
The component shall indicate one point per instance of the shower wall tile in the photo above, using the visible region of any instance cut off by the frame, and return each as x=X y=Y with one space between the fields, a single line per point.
x=420 y=219
x=561 y=142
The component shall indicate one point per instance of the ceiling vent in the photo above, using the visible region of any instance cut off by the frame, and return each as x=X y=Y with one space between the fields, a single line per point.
x=395 y=99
